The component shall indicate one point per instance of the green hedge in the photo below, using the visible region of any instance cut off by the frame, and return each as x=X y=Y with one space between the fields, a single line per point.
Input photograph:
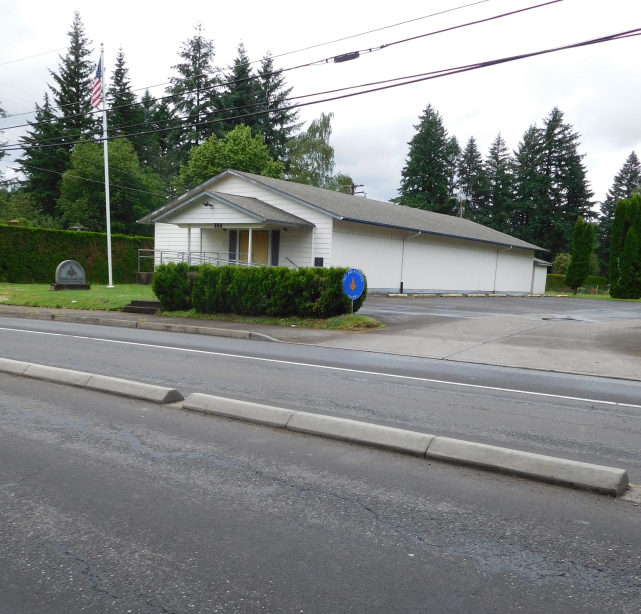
x=273 y=291
x=31 y=255
x=556 y=283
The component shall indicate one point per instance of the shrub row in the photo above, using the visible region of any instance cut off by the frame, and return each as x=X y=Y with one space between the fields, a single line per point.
x=273 y=291
x=556 y=283
x=31 y=255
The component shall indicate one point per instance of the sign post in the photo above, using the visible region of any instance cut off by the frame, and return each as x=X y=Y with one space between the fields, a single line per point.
x=353 y=285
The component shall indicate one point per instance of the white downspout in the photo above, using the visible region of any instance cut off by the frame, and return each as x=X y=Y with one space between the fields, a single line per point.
x=189 y=244
x=249 y=247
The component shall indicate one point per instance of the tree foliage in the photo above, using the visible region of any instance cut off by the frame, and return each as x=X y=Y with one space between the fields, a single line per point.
x=582 y=246
x=238 y=150
x=625 y=249
x=626 y=181
x=473 y=184
x=194 y=96
x=125 y=115
x=134 y=192
x=551 y=188
x=429 y=173
x=311 y=157
x=500 y=186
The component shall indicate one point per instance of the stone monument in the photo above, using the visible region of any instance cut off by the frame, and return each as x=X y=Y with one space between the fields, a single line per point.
x=70 y=276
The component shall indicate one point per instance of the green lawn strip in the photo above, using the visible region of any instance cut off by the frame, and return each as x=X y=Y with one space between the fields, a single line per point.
x=97 y=297
x=598 y=297
x=354 y=323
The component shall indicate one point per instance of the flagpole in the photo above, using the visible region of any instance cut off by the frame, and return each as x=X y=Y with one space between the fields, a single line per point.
x=106 y=157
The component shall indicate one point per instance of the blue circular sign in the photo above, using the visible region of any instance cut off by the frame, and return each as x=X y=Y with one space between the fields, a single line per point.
x=353 y=284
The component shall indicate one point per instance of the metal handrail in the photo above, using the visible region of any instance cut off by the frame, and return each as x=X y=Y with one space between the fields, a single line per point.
x=163 y=256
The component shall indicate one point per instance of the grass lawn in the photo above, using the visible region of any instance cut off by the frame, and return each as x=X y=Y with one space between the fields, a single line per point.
x=97 y=297
x=103 y=298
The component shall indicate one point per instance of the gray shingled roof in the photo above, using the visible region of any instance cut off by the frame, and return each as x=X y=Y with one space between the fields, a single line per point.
x=367 y=211
x=363 y=210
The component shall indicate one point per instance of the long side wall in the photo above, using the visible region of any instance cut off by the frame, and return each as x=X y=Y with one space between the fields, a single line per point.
x=428 y=263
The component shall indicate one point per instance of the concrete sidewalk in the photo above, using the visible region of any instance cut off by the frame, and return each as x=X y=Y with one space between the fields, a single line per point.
x=609 y=347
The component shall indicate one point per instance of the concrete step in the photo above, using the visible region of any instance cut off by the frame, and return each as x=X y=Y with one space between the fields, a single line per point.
x=147 y=307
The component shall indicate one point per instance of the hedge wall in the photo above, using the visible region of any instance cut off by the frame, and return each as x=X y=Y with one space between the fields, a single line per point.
x=31 y=255
x=274 y=291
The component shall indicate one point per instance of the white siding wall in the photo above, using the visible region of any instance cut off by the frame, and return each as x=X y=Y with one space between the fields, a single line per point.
x=300 y=241
x=540 y=279
x=430 y=263
x=197 y=213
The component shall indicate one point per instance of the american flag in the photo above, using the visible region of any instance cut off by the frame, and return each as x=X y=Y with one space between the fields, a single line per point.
x=96 y=90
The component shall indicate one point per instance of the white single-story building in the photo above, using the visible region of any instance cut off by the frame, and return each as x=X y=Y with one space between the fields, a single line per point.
x=244 y=218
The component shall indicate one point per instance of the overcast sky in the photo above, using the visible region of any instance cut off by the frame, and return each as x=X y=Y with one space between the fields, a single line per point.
x=598 y=88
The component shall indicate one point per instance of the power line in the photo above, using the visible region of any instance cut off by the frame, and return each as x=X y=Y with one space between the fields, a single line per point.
x=307 y=64
x=408 y=80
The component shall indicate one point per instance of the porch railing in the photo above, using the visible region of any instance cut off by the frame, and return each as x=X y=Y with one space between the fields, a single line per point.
x=148 y=259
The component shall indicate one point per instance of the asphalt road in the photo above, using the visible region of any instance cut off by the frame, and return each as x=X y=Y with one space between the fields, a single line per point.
x=583 y=418
x=113 y=505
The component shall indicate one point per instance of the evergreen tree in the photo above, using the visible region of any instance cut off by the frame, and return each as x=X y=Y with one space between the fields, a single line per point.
x=275 y=122
x=158 y=149
x=625 y=249
x=71 y=92
x=44 y=158
x=529 y=184
x=428 y=175
x=500 y=180
x=194 y=96
x=625 y=182
x=472 y=183
x=242 y=96
x=124 y=116
x=582 y=246
x=551 y=184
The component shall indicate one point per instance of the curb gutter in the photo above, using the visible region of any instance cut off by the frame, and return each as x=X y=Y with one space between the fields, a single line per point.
x=607 y=480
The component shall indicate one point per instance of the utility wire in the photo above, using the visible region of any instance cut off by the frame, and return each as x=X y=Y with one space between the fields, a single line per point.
x=305 y=65
x=405 y=81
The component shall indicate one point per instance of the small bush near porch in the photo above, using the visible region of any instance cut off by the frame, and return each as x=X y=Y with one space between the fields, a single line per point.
x=271 y=291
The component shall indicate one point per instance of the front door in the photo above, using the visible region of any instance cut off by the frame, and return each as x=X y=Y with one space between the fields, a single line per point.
x=260 y=246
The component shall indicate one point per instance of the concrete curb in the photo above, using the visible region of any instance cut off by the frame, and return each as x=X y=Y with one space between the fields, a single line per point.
x=141 y=324
x=587 y=476
x=102 y=383
x=599 y=478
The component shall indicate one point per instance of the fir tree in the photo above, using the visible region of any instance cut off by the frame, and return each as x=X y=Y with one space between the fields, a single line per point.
x=194 y=96
x=71 y=92
x=124 y=116
x=500 y=180
x=241 y=98
x=275 y=122
x=551 y=185
x=472 y=183
x=582 y=246
x=2 y=143
x=428 y=175
x=625 y=182
x=44 y=158
x=158 y=149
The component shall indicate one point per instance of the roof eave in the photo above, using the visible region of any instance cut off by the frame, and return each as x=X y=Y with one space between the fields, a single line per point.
x=442 y=234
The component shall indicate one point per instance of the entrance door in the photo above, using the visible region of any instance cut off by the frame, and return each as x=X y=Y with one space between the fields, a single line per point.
x=260 y=246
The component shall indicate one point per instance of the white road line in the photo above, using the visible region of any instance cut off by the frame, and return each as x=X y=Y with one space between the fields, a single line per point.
x=329 y=368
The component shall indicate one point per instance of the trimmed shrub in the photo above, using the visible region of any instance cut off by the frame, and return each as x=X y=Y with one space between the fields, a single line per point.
x=172 y=284
x=556 y=283
x=31 y=255
x=275 y=291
